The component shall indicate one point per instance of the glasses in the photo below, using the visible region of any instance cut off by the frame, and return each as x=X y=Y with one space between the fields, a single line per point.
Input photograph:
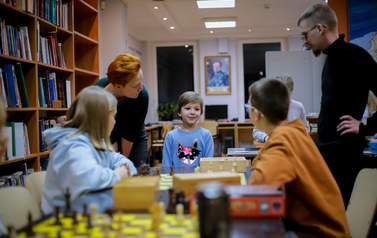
x=304 y=34
x=249 y=108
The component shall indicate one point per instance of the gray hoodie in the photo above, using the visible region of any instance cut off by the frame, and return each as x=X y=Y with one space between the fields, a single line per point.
x=77 y=165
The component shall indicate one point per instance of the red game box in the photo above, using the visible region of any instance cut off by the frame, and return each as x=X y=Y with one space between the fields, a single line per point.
x=253 y=200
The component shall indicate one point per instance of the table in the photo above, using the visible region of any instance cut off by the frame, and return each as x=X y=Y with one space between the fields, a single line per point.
x=240 y=227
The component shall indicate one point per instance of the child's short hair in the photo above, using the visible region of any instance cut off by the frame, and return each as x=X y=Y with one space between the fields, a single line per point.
x=288 y=81
x=189 y=97
x=87 y=115
x=123 y=69
x=271 y=98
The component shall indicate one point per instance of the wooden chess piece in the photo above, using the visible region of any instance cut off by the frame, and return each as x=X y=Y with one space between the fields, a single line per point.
x=171 y=205
x=109 y=212
x=29 y=227
x=67 y=198
x=197 y=169
x=171 y=171
x=74 y=216
x=158 y=172
x=89 y=226
x=12 y=232
x=235 y=165
x=120 y=222
x=93 y=214
x=180 y=197
x=57 y=218
x=180 y=217
x=162 y=209
x=85 y=210
x=210 y=168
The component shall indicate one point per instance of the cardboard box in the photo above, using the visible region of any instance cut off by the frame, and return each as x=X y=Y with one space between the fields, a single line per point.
x=227 y=163
x=136 y=193
x=189 y=182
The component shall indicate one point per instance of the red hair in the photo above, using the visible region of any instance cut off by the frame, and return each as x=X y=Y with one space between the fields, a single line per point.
x=123 y=69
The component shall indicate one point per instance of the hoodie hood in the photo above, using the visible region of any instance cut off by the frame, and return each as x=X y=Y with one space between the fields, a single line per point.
x=55 y=135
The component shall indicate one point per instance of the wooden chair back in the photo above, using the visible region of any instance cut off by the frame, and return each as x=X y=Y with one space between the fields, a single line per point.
x=166 y=128
x=35 y=183
x=212 y=126
x=362 y=206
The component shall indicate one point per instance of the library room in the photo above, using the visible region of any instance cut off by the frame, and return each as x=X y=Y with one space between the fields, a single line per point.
x=194 y=118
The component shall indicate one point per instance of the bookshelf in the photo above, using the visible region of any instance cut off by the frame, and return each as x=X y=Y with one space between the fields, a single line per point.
x=79 y=41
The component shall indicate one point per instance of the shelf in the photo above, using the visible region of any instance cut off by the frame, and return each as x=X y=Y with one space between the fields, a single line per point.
x=86 y=73
x=19 y=159
x=16 y=59
x=12 y=9
x=44 y=153
x=52 y=109
x=84 y=7
x=46 y=26
x=23 y=109
x=44 y=66
x=81 y=39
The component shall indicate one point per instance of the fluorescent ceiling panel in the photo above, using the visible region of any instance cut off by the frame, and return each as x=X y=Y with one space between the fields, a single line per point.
x=203 y=4
x=220 y=24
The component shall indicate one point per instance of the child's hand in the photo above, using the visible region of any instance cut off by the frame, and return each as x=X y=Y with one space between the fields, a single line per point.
x=123 y=170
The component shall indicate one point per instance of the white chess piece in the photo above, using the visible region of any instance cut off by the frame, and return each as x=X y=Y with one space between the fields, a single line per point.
x=210 y=168
x=197 y=170
x=235 y=165
x=180 y=217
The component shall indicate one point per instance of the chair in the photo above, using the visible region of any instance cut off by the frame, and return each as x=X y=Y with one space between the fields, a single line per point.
x=213 y=127
x=362 y=206
x=35 y=183
x=159 y=143
x=16 y=203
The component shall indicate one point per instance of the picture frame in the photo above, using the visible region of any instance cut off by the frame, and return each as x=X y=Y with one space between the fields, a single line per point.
x=217 y=74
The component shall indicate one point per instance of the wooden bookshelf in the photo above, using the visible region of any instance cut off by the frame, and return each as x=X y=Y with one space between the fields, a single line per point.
x=81 y=54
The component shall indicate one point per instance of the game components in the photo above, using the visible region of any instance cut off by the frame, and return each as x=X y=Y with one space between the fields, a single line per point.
x=85 y=210
x=93 y=214
x=109 y=212
x=12 y=232
x=57 y=218
x=210 y=168
x=89 y=226
x=74 y=216
x=172 y=171
x=67 y=198
x=197 y=169
x=171 y=205
x=180 y=216
x=180 y=197
x=213 y=206
x=222 y=165
x=29 y=227
x=155 y=212
x=234 y=169
x=144 y=169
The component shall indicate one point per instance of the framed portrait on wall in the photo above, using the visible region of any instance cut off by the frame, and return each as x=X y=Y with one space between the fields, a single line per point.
x=217 y=75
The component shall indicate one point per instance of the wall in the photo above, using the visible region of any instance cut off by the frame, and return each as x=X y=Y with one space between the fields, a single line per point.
x=113 y=33
x=210 y=48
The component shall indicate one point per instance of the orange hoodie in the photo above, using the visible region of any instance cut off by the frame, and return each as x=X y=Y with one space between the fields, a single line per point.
x=314 y=202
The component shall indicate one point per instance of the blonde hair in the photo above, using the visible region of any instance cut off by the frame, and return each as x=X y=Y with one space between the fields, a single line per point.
x=372 y=104
x=123 y=69
x=288 y=81
x=87 y=115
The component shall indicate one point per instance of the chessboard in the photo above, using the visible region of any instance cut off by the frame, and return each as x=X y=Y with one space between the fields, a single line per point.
x=166 y=181
x=131 y=225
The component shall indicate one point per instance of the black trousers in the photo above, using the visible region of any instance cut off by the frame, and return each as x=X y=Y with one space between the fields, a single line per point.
x=139 y=149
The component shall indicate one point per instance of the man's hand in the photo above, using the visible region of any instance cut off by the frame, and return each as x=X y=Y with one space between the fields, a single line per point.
x=348 y=125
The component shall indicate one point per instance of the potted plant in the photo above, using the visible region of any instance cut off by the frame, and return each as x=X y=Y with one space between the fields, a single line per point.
x=166 y=111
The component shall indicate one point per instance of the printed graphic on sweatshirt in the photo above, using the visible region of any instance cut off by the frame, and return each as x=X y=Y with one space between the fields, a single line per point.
x=188 y=154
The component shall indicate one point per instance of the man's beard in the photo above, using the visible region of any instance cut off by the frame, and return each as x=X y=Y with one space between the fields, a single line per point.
x=316 y=53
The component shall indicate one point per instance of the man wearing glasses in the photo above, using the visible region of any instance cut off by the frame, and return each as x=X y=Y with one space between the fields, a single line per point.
x=348 y=75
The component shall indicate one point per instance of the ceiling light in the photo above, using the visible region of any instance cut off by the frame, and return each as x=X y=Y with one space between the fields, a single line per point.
x=220 y=22
x=186 y=46
x=211 y=32
x=288 y=29
x=155 y=8
x=165 y=18
x=249 y=30
x=172 y=27
x=203 y=4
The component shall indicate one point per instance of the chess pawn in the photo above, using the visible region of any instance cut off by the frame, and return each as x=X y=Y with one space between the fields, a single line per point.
x=210 y=168
x=180 y=217
x=162 y=210
x=235 y=165
x=197 y=170
x=221 y=166
x=93 y=214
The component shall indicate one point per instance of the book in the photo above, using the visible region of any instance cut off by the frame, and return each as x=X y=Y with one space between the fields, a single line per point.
x=11 y=139
x=27 y=42
x=19 y=139
x=2 y=91
x=27 y=144
x=61 y=93
x=68 y=93
x=41 y=140
x=21 y=85
x=10 y=153
x=9 y=71
x=41 y=94
x=6 y=88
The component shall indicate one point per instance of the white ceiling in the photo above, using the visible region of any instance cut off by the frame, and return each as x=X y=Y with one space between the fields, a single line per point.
x=146 y=24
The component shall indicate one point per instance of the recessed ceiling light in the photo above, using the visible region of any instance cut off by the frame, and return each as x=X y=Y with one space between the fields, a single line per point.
x=211 y=32
x=203 y=4
x=224 y=22
x=155 y=8
x=288 y=29
x=249 y=30
x=172 y=27
x=186 y=46
x=165 y=18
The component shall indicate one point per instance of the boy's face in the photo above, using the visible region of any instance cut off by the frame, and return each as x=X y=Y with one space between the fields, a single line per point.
x=253 y=116
x=190 y=113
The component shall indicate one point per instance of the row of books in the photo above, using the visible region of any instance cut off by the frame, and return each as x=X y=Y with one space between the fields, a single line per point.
x=25 y=5
x=51 y=88
x=44 y=124
x=51 y=51
x=54 y=11
x=13 y=87
x=14 y=41
x=17 y=178
x=18 y=141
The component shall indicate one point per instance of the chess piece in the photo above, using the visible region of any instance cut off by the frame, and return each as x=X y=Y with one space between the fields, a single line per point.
x=144 y=169
x=197 y=169
x=74 y=216
x=85 y=210
x=222 y=165
x=109 y=212
x=158 y=172
x=93 y=214
x=29 y=227
x=12 y=232
x=155 y=212
x=171 y=205
x=180 y=197
x=57 y=218
x=162 y=209
x=171 y=171
x=210 y=168
x=180 y=217
x=89 y=226
x=67 y=198
x=120 y=222
x=234 y=169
